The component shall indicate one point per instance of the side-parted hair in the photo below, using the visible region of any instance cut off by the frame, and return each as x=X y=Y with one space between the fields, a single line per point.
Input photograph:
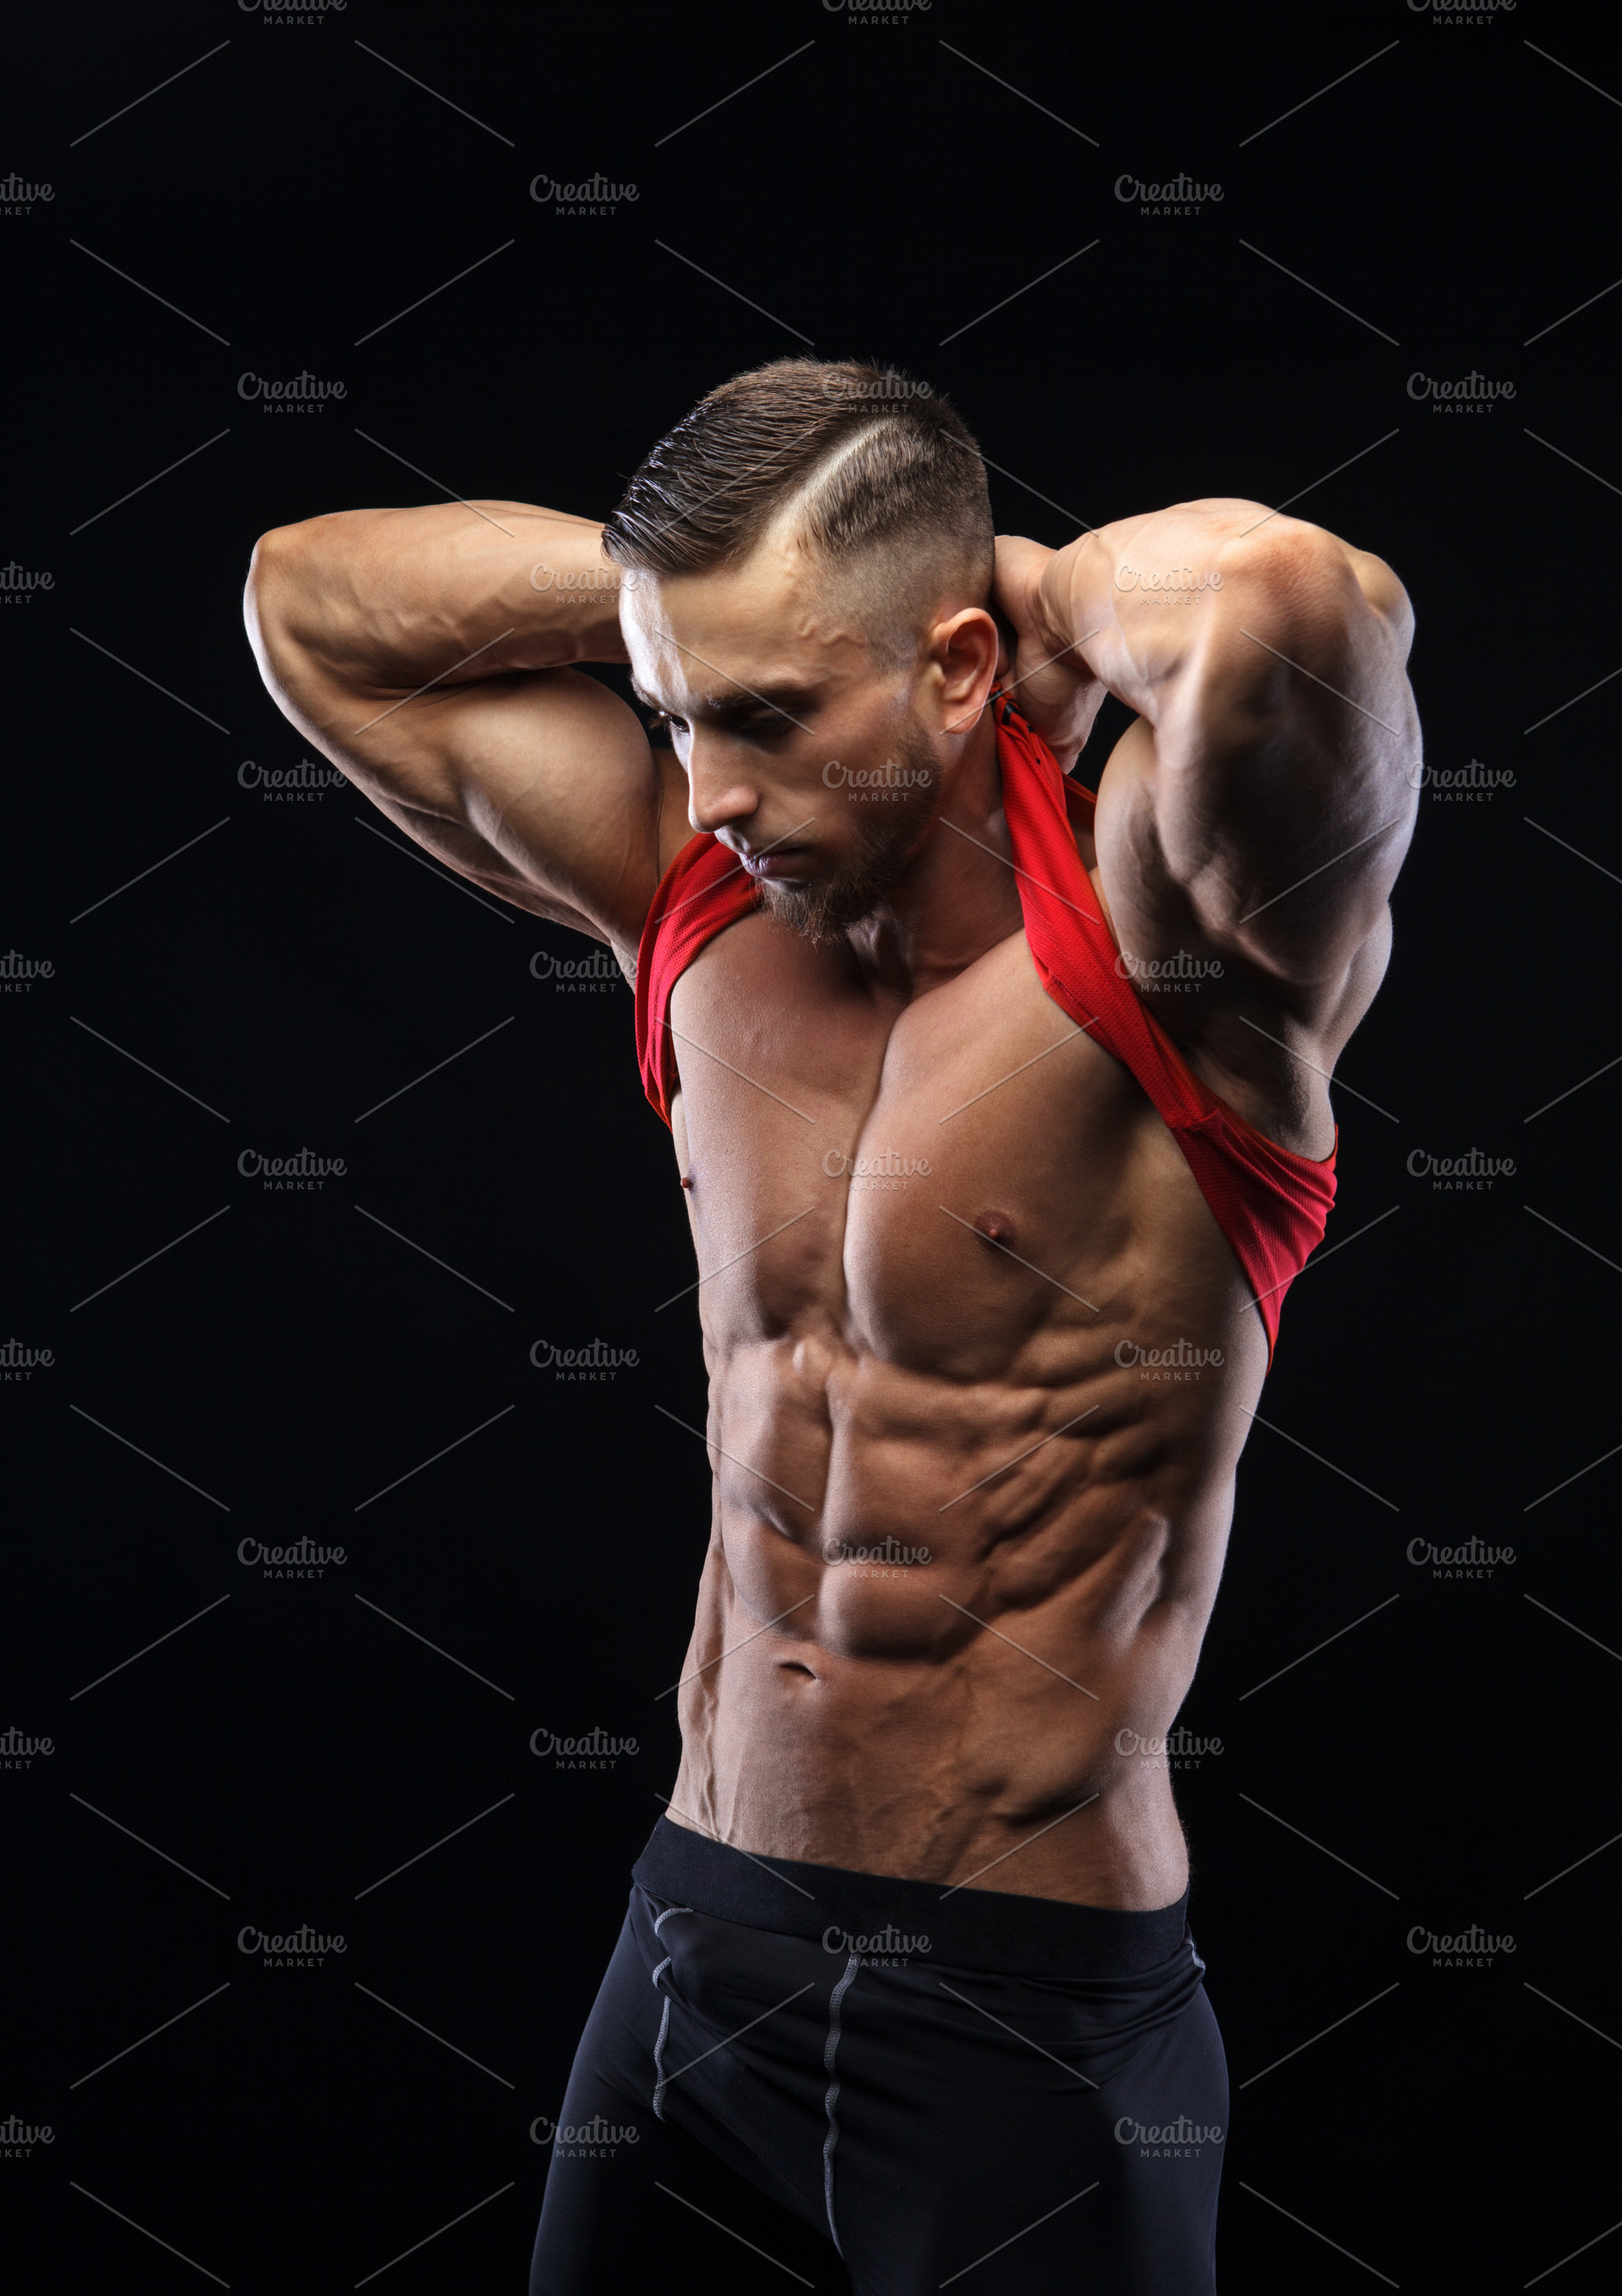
x=880 y=476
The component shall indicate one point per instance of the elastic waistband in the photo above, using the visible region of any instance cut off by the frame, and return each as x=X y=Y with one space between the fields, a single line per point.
x=893 y=1919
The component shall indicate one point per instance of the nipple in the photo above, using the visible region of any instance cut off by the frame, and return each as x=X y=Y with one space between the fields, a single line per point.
x=687 y=1179
x=995 y=1227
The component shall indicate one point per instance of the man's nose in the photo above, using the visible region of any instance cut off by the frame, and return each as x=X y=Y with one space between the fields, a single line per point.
x=718 y=797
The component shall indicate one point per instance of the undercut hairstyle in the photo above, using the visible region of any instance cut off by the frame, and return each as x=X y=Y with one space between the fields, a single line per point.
x=878 y=475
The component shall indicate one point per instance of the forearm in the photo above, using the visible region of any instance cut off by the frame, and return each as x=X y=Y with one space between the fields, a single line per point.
x=380 y=601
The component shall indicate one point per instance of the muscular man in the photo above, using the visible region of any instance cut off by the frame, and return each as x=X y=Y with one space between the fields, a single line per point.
x=1004 y=1123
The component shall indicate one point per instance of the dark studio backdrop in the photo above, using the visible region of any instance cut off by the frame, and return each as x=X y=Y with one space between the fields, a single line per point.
x=221 y=957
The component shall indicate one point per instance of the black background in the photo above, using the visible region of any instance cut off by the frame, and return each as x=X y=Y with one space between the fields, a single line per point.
x=283 y=976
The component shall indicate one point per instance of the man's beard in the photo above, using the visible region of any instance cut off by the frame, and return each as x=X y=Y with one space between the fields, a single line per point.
x=887 y=834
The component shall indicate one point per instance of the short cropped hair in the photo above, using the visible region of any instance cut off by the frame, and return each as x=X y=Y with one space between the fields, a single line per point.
x=880 y=475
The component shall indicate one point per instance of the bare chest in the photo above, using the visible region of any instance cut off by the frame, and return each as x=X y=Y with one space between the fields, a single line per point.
x=956 y=1186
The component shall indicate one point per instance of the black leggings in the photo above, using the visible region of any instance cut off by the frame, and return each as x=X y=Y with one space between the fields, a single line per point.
x=848 y=2084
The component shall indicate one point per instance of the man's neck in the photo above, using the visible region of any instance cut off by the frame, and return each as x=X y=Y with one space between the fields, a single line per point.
x=958 y=896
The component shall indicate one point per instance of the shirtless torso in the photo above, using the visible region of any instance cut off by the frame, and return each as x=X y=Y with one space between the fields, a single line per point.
x=965 y=1540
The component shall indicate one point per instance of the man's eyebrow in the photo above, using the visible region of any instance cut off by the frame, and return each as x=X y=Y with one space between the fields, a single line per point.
x=744 y=701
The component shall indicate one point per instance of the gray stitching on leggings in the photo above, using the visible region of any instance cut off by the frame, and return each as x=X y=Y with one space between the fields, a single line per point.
x=659 y=2082
x=828 y=2055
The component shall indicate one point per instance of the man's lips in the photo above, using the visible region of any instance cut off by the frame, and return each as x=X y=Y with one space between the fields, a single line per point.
x=780 y=861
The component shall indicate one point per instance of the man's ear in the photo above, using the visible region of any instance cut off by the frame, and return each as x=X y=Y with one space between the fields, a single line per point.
x=969 y=653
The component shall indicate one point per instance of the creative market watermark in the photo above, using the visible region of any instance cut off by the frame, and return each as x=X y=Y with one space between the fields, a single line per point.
x=1177 y=1749
x=18 y=1361
x=594 y=195
x=589 y=975
x=302 y=1558
x=18 y=583
x=18 y=197
x=1471 y=784
x=873 y=13
x=1453 y=13
x=299 y=1949
x=1183 y=1361
x=1180 y=972
x=885 y=1948
x=19 y=1751
x=1468 y=1558
x=304 y=1173
x=17 y=2138
x=1471 y=1172
x=18 y=973
x=1466 y=394
x=888 y=387
x=305 y=784
x=1471 y=1948
x=888 y=784
x=597 y=1360
x=1169 y=584
x=884 y=1558
x=590 y=1749
x=276 y=13
x=1181 y=2139
x=1178 y=195
x=596 y=2139
x=301 y=394
x=882 y=1168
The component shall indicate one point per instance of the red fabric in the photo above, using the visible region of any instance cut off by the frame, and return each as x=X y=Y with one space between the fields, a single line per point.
x=1271 y=1204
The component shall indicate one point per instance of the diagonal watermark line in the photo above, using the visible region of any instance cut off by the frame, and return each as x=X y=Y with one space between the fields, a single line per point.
x=731 y=1647
x=1018 y=1846
x=173 y=1087
x=438 y=1262
x=1324 y=90
x=1311 y=290
x=1572 y=314
x=1577 y=849
x=1316 y=1647
x=412 y=1631
x=1014 y=2029
x=1017 y=293
x=457 y=1446
x=147 y=1456
x=1344 y=855
x=1051 y=891
x=739 y=90
x=421 y=474
x=1316 y=2234
x=733 y=291
x=1575 y=1862
x=1576 y=1629
x=156 y=2029
x=1291 y=663
x=1322 y=1462
x=1020 y=93
x=1572 y=459
x=1335 y=2028
x=151 y=1645
x=776 y=708
x=1020 y=1647
x=434 y=1070
x=131 y=281
x=1012 y=1073
x=1031 y=1264
x=147 y=1262
x=1018 y=1456
x=749 y=1854
x=1590 y=1079
x=432 y=291
x=96 y=2197
x=709 y=1443
x=405 y=2252
x=1575 y=698
x=1020 y=2234
x=1609 y=98
x=1301 y=492
x=421 y=2028
x=455 y=885
x=112 y=116
x=438 y=679
x=1575 y=2019
x=1577 y=1477
x=739 y=1073
x=1577 y=1240
x=736 y=1256
x=153 y=682
x=421 y=1853
x=1307 y=1838
x=1322 y=1255
x=145 y=1844
x=446 y=101
x=1606 y=2235
x=704 y=2213
x=739 y=2035
x=141 y=489
x=1328 y=1075
x=136 y=880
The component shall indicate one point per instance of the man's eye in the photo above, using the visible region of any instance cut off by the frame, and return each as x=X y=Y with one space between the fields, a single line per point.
x=660 y=721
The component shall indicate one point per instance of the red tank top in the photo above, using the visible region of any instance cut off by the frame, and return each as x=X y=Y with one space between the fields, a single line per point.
x=1271 y=1204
